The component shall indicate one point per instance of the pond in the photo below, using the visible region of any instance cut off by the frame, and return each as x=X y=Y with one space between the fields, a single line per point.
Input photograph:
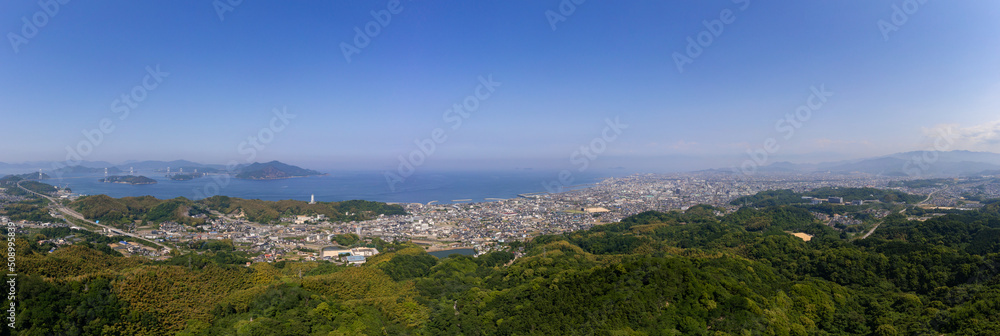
x=445 y=253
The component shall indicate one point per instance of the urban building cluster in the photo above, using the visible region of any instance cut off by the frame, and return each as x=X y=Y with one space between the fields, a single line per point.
x=481 y=225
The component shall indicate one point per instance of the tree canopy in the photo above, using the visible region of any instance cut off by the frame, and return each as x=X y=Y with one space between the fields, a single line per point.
x=693 y=272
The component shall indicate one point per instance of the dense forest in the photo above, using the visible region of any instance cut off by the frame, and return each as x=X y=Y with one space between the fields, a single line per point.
x=675 y=273
x=121 y=211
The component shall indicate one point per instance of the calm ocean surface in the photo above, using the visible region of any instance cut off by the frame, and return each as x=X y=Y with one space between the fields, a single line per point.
x=422 y=187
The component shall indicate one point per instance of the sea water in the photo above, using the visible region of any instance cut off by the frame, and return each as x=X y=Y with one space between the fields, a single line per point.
x=443 y=187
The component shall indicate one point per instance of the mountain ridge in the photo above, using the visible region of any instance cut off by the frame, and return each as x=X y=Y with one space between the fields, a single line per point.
x=913 y=163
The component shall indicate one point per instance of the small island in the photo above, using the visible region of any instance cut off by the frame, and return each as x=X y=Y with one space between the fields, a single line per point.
x=185 y=177
x=128 y=179
x=273 y=170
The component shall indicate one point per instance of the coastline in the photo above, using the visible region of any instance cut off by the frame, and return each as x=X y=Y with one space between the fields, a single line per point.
x=480 y=187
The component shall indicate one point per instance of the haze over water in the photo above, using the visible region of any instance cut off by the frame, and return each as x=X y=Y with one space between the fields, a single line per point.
x=340 y=186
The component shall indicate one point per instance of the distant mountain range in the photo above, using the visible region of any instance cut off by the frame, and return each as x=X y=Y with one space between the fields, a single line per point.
x=47 y=165
x=87 y=170
x=255 y=171
x=175 y=165
x=916 y=163
x=273 y=170
x=98 y=166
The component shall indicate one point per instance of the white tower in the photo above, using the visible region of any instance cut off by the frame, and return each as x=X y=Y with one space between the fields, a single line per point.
x=312 y=199
x=357 y=230
x=131 y=170
x=105 y=171
x=39 y=174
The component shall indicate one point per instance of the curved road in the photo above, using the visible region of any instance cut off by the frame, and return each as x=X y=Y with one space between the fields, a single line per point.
x=931 y=195
x=79 y=216
x=901 y=211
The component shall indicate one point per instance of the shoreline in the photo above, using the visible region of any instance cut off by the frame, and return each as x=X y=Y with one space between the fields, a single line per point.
x=166 y=188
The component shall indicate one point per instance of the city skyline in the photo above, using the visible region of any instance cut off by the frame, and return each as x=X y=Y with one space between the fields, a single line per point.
x=690 y=85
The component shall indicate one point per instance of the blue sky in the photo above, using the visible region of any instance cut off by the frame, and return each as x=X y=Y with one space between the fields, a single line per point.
x=606 y=60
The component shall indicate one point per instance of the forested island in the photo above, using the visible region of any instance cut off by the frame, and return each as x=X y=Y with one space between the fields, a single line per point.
x=273 y=170
x=185 y=177
x=128 y=179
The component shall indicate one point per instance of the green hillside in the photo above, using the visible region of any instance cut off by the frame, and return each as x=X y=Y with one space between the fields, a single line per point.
x=125 y=210
x=675 y=273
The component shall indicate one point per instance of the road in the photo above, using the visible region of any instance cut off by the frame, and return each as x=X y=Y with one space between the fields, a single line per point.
x=77 y=215
x=931 y=195
x=901 y=211
x=876 y=227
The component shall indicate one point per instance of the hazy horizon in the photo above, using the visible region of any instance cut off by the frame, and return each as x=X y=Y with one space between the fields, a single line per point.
x=645 y=86
x=670 y=164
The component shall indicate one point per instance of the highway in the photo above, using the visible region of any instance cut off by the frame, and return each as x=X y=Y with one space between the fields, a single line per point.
x=931 y=195
x=70 y=212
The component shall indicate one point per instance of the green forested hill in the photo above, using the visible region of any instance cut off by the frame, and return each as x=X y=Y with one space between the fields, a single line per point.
x=273 y=170
x=268 y=211
x=10 y=183
x=676 y=273
x=120 y=211
x=125 y=210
